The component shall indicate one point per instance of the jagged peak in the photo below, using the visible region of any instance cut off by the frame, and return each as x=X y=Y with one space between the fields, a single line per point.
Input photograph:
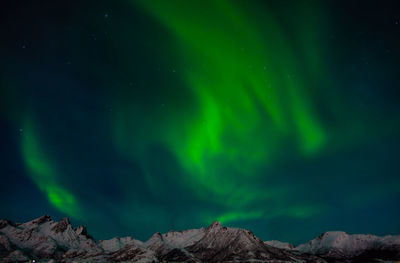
x=332 y=234
x=62 y=225
x=155 y=236
x=214 y=225
x=66 y=220
x=216 y=242
x=6 y=222
x=41 y=220
x=81 y=230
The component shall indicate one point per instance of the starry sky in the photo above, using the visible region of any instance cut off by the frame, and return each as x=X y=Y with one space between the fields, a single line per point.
x=137 y=116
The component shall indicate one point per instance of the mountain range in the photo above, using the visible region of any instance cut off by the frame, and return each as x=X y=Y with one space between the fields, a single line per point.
x=45 y=240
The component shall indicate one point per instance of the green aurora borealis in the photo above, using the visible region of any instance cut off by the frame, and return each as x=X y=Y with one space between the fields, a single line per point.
x=133 y=117
x=240 y=94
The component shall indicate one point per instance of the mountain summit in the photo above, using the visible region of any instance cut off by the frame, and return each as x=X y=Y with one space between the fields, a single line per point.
x=45 y=240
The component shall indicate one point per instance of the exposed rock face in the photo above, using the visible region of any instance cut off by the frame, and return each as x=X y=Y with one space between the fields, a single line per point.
x=5 y=222
x=163 y=243
x=117 y=243
x=132 y=253
x=279 y=244
x=61 y=226
x=44 y=240
x=233 y=244
x=44 y=219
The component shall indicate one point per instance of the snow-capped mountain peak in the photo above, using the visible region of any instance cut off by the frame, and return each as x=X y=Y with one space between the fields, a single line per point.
x=215 y=225
x=339 y=243
x=45 y=239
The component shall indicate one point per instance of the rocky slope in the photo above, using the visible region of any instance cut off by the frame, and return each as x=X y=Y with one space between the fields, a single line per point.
x=45 y=240
x=279 y=244
x=340 y=245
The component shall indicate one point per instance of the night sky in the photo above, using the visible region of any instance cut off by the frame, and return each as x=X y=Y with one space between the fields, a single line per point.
x=137 y=116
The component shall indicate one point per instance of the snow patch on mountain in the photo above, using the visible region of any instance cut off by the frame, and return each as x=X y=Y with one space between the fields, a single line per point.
x=44 y=239
x=339 y=243
x=47 y=238
x=279 y=244
x=117 y=243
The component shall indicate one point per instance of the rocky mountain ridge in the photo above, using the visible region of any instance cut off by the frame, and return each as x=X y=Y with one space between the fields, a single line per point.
x=44 y=240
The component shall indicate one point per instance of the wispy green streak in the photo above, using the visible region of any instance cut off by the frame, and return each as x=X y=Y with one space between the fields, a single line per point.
x=252 y=95
x=44 y=174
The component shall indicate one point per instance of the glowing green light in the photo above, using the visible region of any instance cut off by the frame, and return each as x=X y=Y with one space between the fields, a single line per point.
x=235 y=216
x=44 y=175
x=251 y=98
